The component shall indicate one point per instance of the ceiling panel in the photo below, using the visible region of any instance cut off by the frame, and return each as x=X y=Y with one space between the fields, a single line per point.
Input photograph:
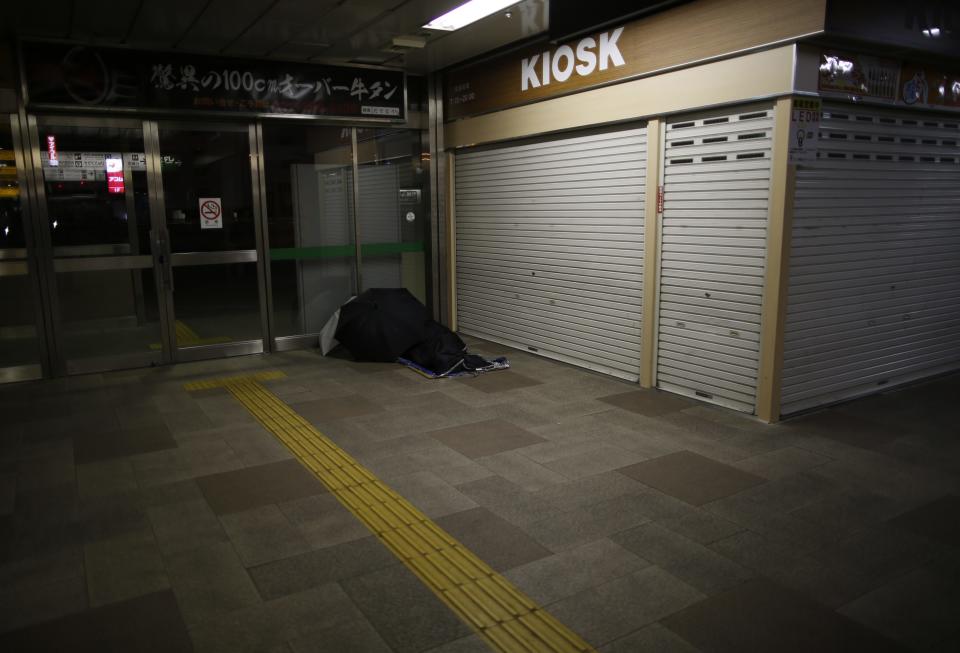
x=161 y=24
x=221 y=23
x=288 y=22
x=52 y=20
x=103 y=20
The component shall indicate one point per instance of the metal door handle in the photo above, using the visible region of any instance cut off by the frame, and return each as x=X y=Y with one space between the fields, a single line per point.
x=162 y=244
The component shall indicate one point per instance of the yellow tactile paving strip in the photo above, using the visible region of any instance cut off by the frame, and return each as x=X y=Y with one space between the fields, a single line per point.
x=506 y=618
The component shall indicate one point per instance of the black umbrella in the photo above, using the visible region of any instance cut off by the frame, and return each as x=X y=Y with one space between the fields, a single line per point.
x=381 y=323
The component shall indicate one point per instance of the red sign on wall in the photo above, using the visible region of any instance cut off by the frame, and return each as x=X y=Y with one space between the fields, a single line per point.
x=52 y=150
x=114 y=174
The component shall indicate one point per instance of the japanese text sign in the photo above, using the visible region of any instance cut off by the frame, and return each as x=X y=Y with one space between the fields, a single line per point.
x=61 y=74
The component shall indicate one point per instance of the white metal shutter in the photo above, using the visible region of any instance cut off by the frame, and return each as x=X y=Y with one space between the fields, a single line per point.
x=713 y=254
x=875 y=260
x=550 y=247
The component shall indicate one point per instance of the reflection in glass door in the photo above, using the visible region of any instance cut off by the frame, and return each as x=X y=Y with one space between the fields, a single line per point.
x=97 y=230
x=19 y=336
x=214 y=286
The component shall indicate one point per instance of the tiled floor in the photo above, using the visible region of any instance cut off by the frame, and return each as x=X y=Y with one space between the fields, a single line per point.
x=135 y=516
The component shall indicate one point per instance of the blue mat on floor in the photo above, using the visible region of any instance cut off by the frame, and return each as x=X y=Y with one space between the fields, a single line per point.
x=500 y=363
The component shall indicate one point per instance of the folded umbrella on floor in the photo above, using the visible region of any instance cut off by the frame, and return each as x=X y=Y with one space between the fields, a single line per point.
x=382 y=323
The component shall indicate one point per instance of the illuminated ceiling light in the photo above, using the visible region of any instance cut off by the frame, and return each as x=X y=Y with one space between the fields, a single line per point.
x=932 y=32
x=469 y=12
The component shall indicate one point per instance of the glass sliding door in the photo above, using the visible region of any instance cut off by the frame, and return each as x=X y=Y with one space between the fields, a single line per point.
x=214 y=286
x=20 y=341
x=309 y=201
x=97 y=226
x=392 y=210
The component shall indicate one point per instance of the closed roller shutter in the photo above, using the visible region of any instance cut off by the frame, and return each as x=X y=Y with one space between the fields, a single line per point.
x=713 y=254
x=875 y=260
x=550 y=247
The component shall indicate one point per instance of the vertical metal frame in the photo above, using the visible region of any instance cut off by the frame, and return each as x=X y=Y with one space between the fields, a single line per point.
x=651 y=251
x=258 y=190
x=43 y=244
x=438 y=182
x=28 y=203
x=160 y=241
x=358 y=259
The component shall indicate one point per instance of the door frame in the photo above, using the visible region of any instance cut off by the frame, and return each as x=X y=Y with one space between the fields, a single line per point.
x=166 y=259
x=44 y=264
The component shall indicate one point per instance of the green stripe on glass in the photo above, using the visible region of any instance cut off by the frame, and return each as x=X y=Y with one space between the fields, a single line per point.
x=341 y=251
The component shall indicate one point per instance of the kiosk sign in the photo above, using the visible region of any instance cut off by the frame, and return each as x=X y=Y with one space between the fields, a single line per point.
x=211 y=213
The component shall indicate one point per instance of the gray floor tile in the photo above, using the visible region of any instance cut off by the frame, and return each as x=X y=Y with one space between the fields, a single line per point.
x=262 y=485
x=654 y=638
x=701 y=526
x=781 y=462
x=105 y=478
x=263 y=534
x=792 y=567
x=604 y=458
x=405 y=613
x=186 y=525
x=471 y=644
x=431 y=495
x=485 y=438
x=938 y=520
x=581 y=525
x=761 y=616
x=517 y=468
x=320 y=567
x=613 y=610
x=103 y=445
x=147 y=624
x=648 y=402
x=564 y=574
x=330 y=408
x=592 y=489
x=689 y=561
x=210 y=582
x=496 y=541
x=917 y=609
x=356 y=636
x=30 y=602
x=323 y=520
x=510 y=501
x=500 y=381
x=123 y=568
x=267 y=627
x=691 y=477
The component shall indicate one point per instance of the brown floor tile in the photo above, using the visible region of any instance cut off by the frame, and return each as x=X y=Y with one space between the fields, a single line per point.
x=496 y=541
x=252 y=487
x=938 y=520
x=145 y=624
x=691 y=477
x=500 y=381
x=485 y=438
x=337 y=408
x=762 y=616
x=648 y=402
x=102 y=445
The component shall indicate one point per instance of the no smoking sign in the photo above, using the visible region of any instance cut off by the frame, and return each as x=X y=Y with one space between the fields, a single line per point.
x=211 y=213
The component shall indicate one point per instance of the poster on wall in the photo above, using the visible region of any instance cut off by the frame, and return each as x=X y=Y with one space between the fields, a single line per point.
x=93 y=77
x=903 y=83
